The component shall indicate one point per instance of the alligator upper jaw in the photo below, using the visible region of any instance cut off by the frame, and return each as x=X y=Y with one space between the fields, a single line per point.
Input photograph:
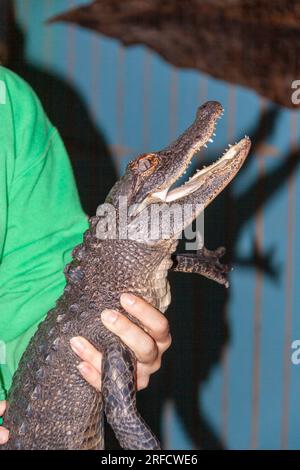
x=222 y=172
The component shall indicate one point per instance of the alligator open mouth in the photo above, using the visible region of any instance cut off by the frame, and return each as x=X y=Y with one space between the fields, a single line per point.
x=164 y=168
x=230 y=162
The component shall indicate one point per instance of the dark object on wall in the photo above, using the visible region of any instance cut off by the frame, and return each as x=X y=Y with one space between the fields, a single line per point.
x=255 y=43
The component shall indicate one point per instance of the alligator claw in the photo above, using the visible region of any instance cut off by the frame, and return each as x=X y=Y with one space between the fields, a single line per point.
x=205 y=262
x=211 y=265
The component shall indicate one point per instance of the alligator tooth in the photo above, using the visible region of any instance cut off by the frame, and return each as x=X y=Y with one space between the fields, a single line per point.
x=210 y=140
x=205 y=146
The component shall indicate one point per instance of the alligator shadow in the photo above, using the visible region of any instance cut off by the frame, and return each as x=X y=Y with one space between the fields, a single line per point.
x=198 y=313
x=91 y=158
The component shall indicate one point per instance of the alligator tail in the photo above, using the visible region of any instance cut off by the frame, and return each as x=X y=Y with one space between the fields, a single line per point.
x=119 y=394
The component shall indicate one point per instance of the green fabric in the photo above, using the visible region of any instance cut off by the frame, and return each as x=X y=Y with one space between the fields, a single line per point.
x=41 y=218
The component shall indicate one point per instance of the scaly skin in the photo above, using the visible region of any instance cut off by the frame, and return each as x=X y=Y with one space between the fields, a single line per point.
x=47 y=374
x=50 y=405
x=220 y=38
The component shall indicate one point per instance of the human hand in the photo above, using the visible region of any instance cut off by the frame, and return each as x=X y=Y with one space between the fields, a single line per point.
x=148 y=343
x=3 y=431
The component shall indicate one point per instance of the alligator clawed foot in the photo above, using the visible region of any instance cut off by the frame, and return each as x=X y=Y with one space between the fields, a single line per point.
x=206 y=263
x=212 y=266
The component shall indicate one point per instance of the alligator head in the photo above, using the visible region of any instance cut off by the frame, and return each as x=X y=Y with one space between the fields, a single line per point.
x=149 y=179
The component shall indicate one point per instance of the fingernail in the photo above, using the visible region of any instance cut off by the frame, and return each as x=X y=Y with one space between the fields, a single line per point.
x=128 y=299
x=77 y=345
x=109 y=316
x=3 y=436
x=83 y=368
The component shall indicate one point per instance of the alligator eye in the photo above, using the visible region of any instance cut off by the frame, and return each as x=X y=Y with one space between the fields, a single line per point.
x=144 y=164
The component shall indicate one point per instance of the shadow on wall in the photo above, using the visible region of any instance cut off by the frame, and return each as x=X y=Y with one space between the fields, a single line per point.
x=198 y=313
x=89 y=153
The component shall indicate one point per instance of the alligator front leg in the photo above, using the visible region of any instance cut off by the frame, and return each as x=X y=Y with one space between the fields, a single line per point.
x=204 y=262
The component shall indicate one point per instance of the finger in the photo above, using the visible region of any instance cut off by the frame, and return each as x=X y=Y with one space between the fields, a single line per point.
x=143 y=346
x=2 y=407
x=90 y=374
x=3 y=435
x=142 y=382
x=152 y=319
x=163 y=346
x=87 y=352
x=144 y=372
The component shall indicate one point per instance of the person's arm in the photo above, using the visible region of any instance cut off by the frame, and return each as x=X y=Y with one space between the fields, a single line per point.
x=148 y=344
x=41 y=219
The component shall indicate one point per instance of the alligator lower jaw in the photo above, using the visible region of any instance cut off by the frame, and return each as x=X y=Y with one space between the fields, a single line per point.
x=222 y=165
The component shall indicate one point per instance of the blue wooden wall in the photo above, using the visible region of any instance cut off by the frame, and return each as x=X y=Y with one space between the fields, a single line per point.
x=248 y=393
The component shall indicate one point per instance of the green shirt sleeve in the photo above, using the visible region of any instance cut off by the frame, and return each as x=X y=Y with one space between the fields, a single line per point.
x=41 y=218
